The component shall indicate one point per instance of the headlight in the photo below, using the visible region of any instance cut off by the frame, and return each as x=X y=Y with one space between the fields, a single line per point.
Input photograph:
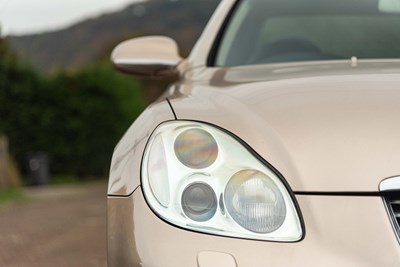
x=198 y=177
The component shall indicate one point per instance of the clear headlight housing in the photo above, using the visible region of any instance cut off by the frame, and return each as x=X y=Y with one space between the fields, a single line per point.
x=201 y=178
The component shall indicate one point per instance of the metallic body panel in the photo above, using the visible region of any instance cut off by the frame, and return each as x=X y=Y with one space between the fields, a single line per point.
x=154 y=56
x=324 y=126
x=127 y=157
x=327 y=127
x=336 y=235
x=200 y=52
x=212 y=259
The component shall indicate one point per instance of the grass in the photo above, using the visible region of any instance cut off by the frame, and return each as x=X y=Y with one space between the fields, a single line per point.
x=64 y=179
x=16 y=194
x=11 y=195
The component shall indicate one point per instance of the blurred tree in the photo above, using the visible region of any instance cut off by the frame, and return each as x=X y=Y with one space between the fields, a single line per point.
x=18 y=117
x=95 y=107
x=75 y=117
x=9 y=176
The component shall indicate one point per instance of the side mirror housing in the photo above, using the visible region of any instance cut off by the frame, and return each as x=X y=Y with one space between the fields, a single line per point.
x=152 y=56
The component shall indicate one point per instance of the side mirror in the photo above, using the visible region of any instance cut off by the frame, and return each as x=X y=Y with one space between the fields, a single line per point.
x=153 y=56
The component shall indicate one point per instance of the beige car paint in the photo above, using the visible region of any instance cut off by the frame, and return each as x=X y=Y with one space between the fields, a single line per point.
x=320 y=125
x=326 y=126
x=152 y=56
x=127 y=157
x=335 y=236
x=202 y=48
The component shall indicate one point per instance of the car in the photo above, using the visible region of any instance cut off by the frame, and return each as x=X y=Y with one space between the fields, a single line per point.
x=277 y=143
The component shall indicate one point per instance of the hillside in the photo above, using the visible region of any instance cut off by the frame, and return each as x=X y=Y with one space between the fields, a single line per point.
x=92 y=40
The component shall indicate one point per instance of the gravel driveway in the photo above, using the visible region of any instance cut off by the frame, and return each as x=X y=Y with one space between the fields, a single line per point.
x=56 y=226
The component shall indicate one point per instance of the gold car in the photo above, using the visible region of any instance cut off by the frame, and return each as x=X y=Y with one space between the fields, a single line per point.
x=278 y=145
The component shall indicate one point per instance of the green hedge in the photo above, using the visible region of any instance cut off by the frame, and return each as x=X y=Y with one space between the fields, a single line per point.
x=75 y=117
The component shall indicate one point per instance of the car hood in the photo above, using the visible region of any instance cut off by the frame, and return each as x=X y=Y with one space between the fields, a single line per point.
x=331 y=127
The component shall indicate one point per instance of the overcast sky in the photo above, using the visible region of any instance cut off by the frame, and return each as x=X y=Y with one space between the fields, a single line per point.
x=32 y=16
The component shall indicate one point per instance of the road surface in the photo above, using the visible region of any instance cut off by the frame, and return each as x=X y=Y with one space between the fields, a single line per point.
x=55 y=226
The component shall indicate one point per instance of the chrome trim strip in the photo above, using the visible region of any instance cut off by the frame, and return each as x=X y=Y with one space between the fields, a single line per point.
x=392 y=219
x=390 y=184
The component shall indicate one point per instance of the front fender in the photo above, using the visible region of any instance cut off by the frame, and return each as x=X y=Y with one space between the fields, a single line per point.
x=127 y=156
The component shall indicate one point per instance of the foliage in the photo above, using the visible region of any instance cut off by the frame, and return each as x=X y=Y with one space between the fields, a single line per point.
x=75 y=117
x=10 y=195
x=9 y=175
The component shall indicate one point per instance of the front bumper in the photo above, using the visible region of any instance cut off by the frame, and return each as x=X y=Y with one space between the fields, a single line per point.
x=340 y=231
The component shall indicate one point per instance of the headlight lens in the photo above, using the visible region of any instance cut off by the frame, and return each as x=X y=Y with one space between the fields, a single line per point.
x=199 y=202
x=255 y=202
x=199 y=177
x=196 y=148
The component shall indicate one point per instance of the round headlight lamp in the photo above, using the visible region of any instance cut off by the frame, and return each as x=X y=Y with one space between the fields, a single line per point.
x=201 y=178
x=255 y=202
x=196 y=148
x=199 y=202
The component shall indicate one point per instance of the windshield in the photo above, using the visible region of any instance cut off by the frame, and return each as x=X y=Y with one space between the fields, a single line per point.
x=272 y=31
